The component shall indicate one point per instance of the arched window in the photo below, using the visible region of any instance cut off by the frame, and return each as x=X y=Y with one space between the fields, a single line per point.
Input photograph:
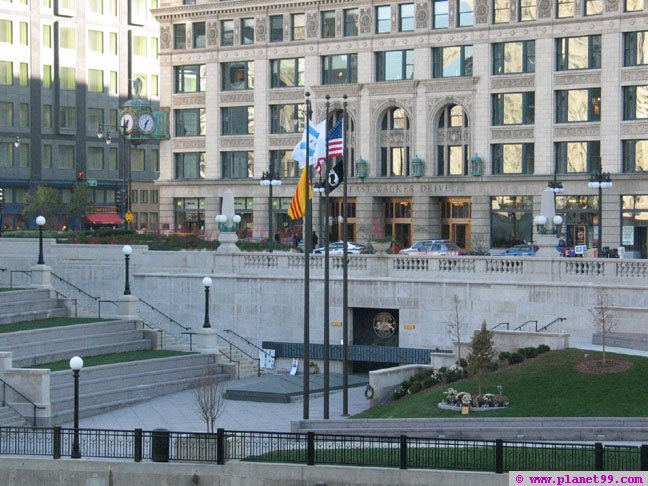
x=394 y=143
x=453 y=149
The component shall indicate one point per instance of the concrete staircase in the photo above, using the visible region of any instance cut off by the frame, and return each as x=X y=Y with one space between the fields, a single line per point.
x=10 y=418
x=107 y=387
x=243 y=365
x=29 y=305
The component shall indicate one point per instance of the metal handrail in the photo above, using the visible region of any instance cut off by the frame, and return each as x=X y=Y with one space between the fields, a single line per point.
x=104 y=301
x=527 y=322
x=4 y=400
x=152 y=307
x=11 y=273
x=61 y=294
x=557 y=319
x=74 y=286
x=250 y=343
x=500 y=324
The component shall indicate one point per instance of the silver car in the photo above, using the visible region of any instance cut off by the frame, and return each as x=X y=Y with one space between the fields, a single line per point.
x=421 y=246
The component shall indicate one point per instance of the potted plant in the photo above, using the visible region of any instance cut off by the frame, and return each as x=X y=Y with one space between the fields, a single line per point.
x=381 y=245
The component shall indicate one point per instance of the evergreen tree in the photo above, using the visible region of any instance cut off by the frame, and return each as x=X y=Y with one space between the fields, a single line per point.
x=482 y=354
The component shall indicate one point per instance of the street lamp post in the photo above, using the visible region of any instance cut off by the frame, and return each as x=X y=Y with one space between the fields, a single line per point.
x=127 y=250
x=76 y=364
x=207 y=283
x=123 y=131
x=40 y=221
x=1 y=209
x=270 y=179
x=600 y=180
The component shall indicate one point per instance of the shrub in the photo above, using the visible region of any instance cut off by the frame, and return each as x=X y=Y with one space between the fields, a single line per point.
x=463 y=363
x=452 y=376
x=415 y=387
x=504 y=356
x=528 y=352
x=543 y=348
x=515 y=358
x=494 y=366
x=428 y=382
x=400 y=392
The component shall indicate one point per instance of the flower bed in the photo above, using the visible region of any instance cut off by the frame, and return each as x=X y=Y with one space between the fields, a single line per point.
x=454 y=400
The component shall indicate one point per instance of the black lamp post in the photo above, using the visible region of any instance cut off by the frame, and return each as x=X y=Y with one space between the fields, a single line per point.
x=76 y=364
x=127 y=250
x=207 y=283
x=40 y=221
x=1 y=209
x=269 y=179
x=600 y=180
x=123 y=200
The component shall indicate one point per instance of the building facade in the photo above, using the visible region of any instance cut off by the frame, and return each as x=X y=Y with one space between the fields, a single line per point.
x=66 y=69
x=459 y=113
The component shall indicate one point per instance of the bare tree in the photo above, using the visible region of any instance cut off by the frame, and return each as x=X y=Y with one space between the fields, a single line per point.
x=456 y=324
x=603 y=318
x=210 y=403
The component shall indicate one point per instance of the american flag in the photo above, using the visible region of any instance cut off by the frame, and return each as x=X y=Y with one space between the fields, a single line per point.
x=335 y=145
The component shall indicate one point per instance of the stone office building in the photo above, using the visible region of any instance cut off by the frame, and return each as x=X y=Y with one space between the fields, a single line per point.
x=459 y=114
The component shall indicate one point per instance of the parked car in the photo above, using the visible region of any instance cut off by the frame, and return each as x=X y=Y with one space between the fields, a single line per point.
x=519 y=250
x=446 y=247
x=337 y=248
x=421 y=246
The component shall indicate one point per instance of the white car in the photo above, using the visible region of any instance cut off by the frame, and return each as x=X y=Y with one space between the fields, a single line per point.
x=421 y=246
x=337 y=248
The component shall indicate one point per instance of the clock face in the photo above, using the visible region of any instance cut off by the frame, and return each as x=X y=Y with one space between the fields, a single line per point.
x=126 y=122
x=146 y=123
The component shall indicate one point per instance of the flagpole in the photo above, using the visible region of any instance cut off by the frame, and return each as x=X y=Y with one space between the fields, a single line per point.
x=307 y=250
x=345 y=274
x=325 y=238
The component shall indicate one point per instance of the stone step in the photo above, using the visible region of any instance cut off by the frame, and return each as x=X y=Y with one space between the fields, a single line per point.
x=11 y=339
x=11 y=418
x=33 y=315
x=71 y=350
x=19 y=306
x=33 y=295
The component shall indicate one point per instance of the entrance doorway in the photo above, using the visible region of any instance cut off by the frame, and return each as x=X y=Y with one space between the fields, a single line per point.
x=455 y=220
x=398 y=222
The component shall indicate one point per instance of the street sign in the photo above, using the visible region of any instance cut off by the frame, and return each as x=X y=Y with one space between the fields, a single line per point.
x=129 y=217
x=91 y=183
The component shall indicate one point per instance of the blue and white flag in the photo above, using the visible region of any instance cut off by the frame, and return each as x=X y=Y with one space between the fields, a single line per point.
x=316 y=145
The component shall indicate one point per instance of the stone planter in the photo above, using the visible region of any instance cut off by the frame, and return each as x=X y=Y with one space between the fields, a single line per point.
x=381 y=247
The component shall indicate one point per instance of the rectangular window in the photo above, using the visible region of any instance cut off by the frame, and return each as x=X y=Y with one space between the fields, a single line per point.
x=593 y=7
x=514 y=57
x=24 y=74
x=466 y=13
x=6 y=114
x=47 y=156
x=328 y=24
x=47 y=35
x=238 y=75
x=23 y=155
x=144 y=196
x=6 y=154
x=155 y=85
x=577 y=157
x=140 y=45
x=47 y=116
x=247 y=31
x=113 y=87
x=112 y=158
x=276 y=28
x=227 y=32
x=198 y=32
x=113 y=43
x=138 y=12
x=6 y=73
x=237 y=120
x=452 y=61
x=190 y=165
x=24 y=33
x=286 y=72
x=578 y=53
x=6 y=31
x=512 y=158
x=394 y=65
x=514 y=108
x=189 y=123
x=96 y=6
x=565 y=9
x=406 y=17
x=440 y=20
x=67 y=78
x=95 y=118
x=47 y=76
x=112 y=8
x=635 y=48
x=635 y=155
x=95 y=80
x=634 y=5
x=528 y=10
x=179 y=36
x=340 y=69
x=68 y=117
x=154 y=194
x=23 y=115
x=189 y=79
x=155 y=166
x=67 y=37
x=137 y=161
x=394 y=161
x=95 y=158
x=287 y=118
x=578 y=105
x=501 y=11
x=237 y=165
x=298 y=26
x=635 y=102
x=282 y=161
x=66 y=159
x=155 y=51
x=383 y=19
x=95 y=41
x=350 y=22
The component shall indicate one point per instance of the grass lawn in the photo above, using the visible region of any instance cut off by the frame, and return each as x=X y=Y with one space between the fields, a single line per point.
x=546 y=386
x=45 y=323
x=112 y=359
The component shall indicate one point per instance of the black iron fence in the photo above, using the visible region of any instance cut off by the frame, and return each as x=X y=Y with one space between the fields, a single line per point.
x=352 y=450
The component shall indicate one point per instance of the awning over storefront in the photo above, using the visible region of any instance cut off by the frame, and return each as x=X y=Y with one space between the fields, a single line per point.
x=110 y=219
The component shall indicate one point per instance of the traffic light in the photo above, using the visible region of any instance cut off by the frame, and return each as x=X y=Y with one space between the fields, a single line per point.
x=1 y=197
x=80 y=176
x=118 y=199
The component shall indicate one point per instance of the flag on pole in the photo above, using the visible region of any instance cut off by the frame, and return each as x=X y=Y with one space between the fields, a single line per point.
x=336 y=175
x=316 y=145
x=335 y=142
x=297 y=206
